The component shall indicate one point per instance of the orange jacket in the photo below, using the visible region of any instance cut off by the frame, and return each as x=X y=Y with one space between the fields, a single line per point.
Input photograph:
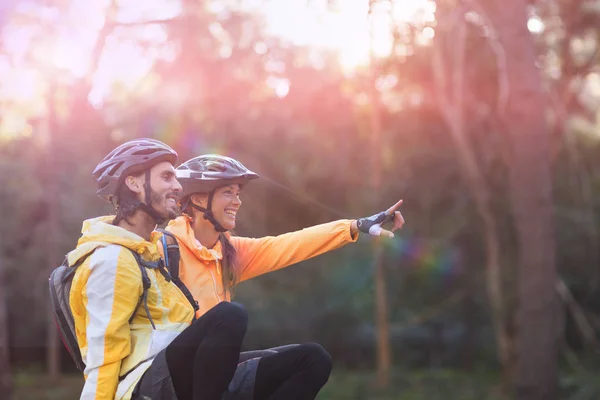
x=200 y=268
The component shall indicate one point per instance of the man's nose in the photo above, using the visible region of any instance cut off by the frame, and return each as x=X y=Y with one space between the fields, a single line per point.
x=177 y=186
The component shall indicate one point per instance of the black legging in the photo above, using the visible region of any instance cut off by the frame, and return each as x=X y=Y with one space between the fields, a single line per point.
x=203 y=358
x=295 y=374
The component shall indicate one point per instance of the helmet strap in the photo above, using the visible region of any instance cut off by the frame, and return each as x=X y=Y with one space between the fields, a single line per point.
x=147 y=205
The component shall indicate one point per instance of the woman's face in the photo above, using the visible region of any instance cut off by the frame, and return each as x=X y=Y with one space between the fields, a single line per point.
x=225 y=205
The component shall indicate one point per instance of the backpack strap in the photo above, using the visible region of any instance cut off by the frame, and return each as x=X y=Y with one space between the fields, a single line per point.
x=146 y=283
x=171 y=250
x=60 y=286
x=172 y=257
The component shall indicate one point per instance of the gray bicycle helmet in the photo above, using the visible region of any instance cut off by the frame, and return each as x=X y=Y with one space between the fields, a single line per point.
x=127 y=159
x=205 y=173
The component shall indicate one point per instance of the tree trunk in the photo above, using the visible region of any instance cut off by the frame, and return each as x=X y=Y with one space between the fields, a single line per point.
x=55 y=165
x=6 y=381
x=469 y=304
x=384 y=353
x=53 y=230
x=452 y=106
x=384 y=356
x=530 y=187
x=6 y=385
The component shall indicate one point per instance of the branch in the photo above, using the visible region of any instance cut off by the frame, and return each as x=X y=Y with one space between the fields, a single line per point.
x=498 y=49
x=458 y=79
x=166 y=21
x=591 y=62
x=441 y=83
x=109 y=27
x=98 y=49
x=433 y=311
x=563 y=96
x=572 y=20
x=450 y=104
x=584 y=325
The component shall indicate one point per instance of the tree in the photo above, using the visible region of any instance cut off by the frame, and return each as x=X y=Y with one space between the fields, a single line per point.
x=538 y=322
x=520 y=110
x=6 y=382
x=453 y=106
x=5 y=370
x=384 y=353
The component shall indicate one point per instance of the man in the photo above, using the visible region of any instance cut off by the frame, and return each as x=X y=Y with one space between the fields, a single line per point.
x=133 y=326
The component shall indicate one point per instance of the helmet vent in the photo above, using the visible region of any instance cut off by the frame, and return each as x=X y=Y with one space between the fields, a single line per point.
x=115 y=169
x=146 y=151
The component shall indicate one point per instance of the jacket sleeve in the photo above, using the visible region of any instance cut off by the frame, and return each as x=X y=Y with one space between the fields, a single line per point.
x=110 y=297
x=259 y=256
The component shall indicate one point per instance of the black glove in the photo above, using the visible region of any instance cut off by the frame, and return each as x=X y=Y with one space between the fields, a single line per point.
x=372 y=225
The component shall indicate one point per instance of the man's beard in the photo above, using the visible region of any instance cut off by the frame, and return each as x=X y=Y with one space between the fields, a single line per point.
x=156 y=198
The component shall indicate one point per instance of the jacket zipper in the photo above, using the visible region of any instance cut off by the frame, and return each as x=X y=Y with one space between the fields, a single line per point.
x=214 y=281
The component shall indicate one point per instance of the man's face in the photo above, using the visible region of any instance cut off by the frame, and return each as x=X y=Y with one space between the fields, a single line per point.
x=164 y=190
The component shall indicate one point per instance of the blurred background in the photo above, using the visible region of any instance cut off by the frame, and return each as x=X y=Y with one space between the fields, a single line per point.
x=481 y=114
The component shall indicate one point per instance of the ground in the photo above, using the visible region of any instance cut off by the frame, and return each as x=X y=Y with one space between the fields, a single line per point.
x=343 y=385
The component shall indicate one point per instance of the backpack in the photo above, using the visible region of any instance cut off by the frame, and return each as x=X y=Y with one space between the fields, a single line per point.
x=61 y=280
x=171 y=256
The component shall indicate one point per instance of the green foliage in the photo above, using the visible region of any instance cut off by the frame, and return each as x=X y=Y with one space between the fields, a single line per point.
x=314 y=152
x=36 y=386
x=407 y=385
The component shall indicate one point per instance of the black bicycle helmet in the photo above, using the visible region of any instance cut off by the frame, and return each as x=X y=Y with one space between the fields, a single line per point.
x=205 y=173
x=128 y=159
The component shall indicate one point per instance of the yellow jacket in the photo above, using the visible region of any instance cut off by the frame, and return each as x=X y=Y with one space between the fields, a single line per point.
x=200 y=268
x=105 y=291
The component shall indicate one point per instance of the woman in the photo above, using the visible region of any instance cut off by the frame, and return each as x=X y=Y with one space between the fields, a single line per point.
x=213 y=261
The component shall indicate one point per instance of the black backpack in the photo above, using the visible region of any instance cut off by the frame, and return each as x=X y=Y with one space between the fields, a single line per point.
x=61 y=280
x=171 y=252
